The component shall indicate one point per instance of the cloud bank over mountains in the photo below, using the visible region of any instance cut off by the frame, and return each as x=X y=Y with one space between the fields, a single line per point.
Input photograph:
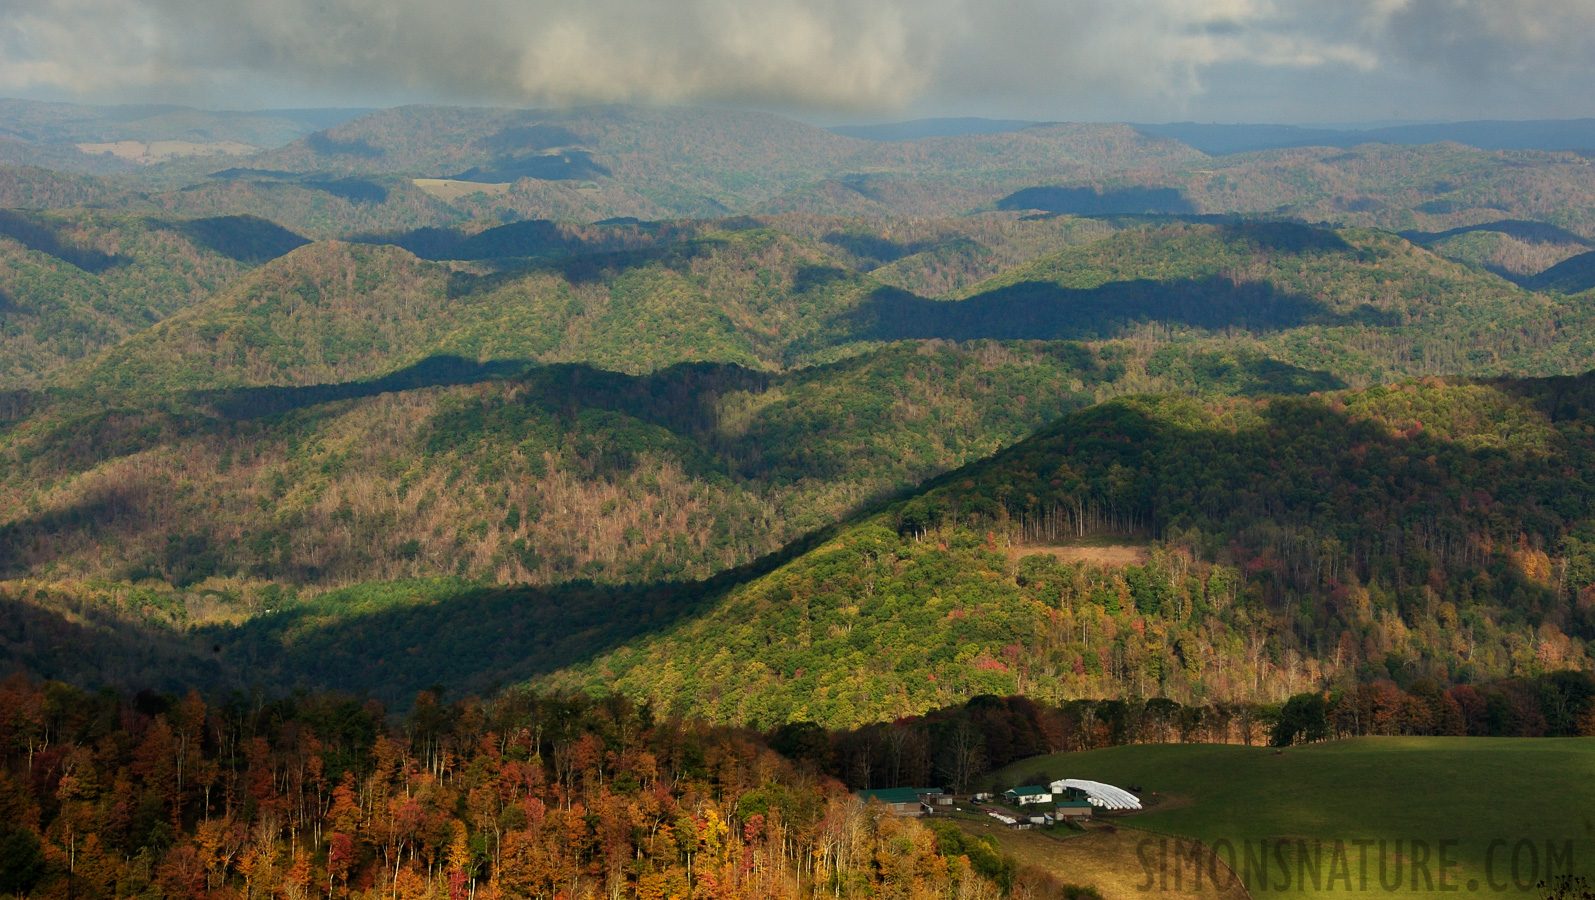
x=1043 y=58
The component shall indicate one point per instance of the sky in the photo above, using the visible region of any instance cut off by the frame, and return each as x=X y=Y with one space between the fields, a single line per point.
x=828 y=61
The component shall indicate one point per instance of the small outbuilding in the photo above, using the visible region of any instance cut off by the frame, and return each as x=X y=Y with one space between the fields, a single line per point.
x=905 y=801
x=1027 y=795
x=1073 y=808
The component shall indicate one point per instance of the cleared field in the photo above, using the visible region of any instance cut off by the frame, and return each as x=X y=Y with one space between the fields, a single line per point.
x=1107 y=859
x=158 y=151
x=1098 y=554
x=1365 y=817
x=448 y=190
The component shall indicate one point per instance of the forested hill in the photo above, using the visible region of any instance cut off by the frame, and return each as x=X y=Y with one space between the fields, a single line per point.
x=335 y=312
x=1360 y=303
x=445 y=167
x=522 y=474
x=73 y=284
x=1431 y=529
x=1200 y=551
x=355 y=384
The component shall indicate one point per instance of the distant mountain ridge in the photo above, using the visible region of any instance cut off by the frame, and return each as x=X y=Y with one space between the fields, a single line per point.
x=1541 y=134
x=85 y=139
x=929 y=128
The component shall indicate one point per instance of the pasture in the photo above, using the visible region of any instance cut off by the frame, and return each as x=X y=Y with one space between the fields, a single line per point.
x=1363 y=817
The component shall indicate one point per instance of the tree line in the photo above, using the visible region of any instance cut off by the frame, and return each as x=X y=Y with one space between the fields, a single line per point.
x=524 y=796
x=960 y=747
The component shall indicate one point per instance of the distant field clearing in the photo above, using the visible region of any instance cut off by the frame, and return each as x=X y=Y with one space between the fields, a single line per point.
x=156 y=151
x=1099 y=554
x=446 y=189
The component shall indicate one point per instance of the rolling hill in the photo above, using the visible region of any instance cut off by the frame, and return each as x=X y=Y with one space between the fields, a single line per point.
x=1429 y=188
x=71 y=285
x=1364 y=305
x=1436 y=529
x=1430 y=530
x=335 y=312
x=340 y=368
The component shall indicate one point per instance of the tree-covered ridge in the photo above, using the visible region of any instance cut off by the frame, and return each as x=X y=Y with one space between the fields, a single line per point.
x=1429 y=530
x=1575 y=275
x=30 y=187
x=337 y=312
x=288 y=369
x=1365 y=305
x=1513 y=258
x=691 y=160
x=543 y=475
x=1429 y=188
x=325 y=312
x=73 y=284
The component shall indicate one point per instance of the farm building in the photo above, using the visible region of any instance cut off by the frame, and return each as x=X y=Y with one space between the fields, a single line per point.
x=1024 y=796
x=1073 y=808
x=1095 y=793
x=905 y=801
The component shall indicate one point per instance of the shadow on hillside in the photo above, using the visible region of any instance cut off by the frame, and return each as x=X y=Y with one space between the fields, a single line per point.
x=90 y=645
x=874 y=251
x=1247 y=376
x=566 y=165
x=1044 y=311
x=16 y=404
x=1094 y=201
x=531 y=238
x=42 y=238
x=238 y=172
x=435 y=371
x=1561 y=398
x=102 y=511
x=246 y=239
x=680 y=398
x=1534 y=232
x=323 y=144
x=1570 y=276
x=391 y=642
x=535 y=137
x=354 y=190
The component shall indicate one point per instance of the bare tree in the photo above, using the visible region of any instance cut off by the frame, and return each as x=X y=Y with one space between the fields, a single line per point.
x=963 y=757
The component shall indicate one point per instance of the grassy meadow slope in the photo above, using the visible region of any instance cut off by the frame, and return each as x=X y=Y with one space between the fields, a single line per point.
x=1321 y=799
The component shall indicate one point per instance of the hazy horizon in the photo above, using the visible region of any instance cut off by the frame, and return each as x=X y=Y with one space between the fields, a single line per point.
x=819 y=120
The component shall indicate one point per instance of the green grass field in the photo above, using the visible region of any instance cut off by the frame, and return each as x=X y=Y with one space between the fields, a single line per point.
x=1317 y=815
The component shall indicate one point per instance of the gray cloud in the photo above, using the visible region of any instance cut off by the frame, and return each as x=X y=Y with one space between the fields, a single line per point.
x=862 y=56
